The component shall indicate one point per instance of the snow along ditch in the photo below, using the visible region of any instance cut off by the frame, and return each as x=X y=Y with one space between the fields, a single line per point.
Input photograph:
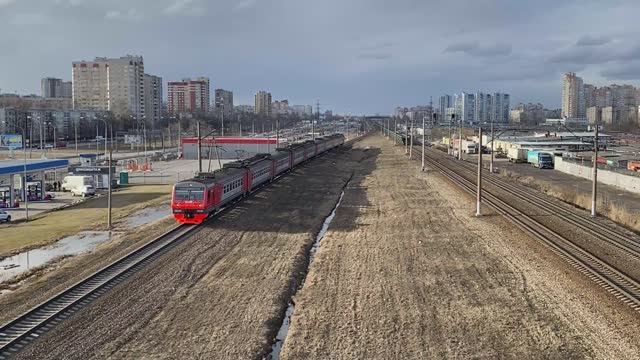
x=284 y=328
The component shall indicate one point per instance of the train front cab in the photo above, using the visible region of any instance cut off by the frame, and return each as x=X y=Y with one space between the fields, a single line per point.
x=190 y=202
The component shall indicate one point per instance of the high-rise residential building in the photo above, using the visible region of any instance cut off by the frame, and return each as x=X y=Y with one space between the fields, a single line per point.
x=465 y=105
x=188 y=96
x=499 y=107
x=115 y=84
x=594 y=115
x=91 y=84
x=55 y=88
x=280 y=107
x=153 y=99
x=302 y=110
x=527 y=114
x=223 y=102
x=482 y=108
x=244 y=109
x=573 y=102
x=445 y=101
x=263 y=103
x=589 y=96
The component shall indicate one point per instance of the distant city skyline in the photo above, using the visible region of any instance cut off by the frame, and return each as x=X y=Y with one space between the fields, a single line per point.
x=340 y=55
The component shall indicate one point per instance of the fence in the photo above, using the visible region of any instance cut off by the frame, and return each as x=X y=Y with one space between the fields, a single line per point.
x=629 y=182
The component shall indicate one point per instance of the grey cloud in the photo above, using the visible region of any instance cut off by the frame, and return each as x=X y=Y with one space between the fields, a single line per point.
x=128 y=15
x=29 y=18
x=341 y=52
x=186 y=7
x=374 y=56
x=594 y=56
x=622 y=72
x=481 y=51
x=245 y=4
x=588 y=40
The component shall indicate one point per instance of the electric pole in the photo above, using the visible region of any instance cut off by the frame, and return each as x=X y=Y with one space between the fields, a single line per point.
x=479 y=190
x=395 y=130
x=423 y=132
x=406 y=135
x=313 y=126
x=110 y=167
x=460 y=139
x=411 y=145
x=450 y=145
x=491 y=163
x=594 y=191
x=199 y=146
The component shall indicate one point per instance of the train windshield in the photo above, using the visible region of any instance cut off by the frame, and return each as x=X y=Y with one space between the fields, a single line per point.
x=189 y=194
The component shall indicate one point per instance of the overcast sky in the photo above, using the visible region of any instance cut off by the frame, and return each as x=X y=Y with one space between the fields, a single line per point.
x=354 y=56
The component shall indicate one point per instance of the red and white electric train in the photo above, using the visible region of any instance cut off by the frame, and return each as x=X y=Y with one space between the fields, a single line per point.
x=193 y=200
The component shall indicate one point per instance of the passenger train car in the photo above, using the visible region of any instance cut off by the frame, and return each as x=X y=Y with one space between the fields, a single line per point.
x=193 y=200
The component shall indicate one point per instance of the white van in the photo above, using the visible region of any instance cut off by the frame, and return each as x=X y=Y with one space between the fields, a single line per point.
x=79 y=185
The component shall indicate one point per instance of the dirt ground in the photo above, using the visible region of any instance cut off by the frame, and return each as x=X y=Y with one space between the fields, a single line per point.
x=221 y=293
x=90 y=215
x=407 y=272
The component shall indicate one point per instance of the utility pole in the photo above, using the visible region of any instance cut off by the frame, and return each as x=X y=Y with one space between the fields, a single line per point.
x=460 y=139
x=199 y=146
x=313 y=126
x=423 y=132
x=395 y=130
x=277 y=131
x=491 y=163
x=75 y=129
x=450 y=145
x=594 y=191
x=109 y=196
x=240 y=124
x=411 y=146
x=479 y=190
x=406 y=136
x=222 y=115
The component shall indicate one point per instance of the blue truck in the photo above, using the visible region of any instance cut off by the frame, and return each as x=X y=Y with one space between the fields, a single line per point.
x=541 y=160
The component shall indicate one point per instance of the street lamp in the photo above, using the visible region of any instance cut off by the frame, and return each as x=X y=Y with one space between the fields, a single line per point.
x=105 y=135
x=24 y=174
x=144 y=138
x=29 y=117
x=219 y=99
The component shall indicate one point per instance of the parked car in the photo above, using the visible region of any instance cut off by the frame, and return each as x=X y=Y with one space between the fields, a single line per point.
x=4 y=216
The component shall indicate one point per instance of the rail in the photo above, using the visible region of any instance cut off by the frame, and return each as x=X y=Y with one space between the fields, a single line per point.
x=32 y=324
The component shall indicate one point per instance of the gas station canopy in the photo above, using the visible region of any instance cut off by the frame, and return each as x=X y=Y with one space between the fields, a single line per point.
x=11 y=167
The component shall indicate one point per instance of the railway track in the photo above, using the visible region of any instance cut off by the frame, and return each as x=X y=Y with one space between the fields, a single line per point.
x=626 y=242
x=616 y=282
x=26 y=328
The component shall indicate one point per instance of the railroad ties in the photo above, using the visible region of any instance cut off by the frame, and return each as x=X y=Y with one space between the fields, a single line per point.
x=26 y=328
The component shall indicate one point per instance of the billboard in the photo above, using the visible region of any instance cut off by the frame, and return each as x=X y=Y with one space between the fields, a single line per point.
x=133 y=139
x=11 y=141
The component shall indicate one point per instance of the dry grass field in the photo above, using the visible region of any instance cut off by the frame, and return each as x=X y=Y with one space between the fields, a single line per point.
x=407 y=272
x=219 y=294
x=90 y=215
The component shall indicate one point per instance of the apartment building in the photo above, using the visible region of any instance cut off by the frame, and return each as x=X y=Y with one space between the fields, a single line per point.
x=263 y=103
x=573 y=102
x=223 y=102
x=153 y=99
x=188 y=96
x=55 y=88
x=114 y=84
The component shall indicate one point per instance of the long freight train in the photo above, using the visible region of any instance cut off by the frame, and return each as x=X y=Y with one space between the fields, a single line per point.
x=193 y=200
